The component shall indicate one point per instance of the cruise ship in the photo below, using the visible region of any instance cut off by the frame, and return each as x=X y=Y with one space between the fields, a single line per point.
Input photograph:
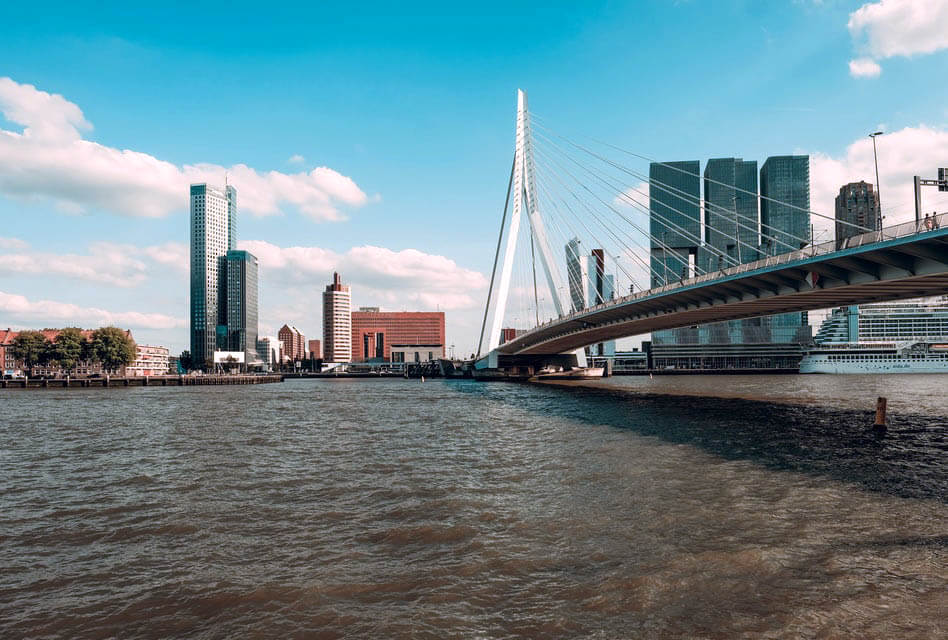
x=891 y=337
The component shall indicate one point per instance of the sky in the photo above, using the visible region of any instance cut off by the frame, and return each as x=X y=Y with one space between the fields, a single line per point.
x=376 y=141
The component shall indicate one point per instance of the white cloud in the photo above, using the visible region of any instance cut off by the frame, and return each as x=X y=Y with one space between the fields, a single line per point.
x=119 y=265
x=864 y=68
x=891 y=28
x=18 y=309
x=50 y=159
x=296 y=159
x=902 y=154
x=397 y=279
x=14 y=244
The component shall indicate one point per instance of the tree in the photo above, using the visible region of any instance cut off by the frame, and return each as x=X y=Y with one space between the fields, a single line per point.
x=30 y=347
x=67 y=349
x=185 y=360
x=112 y=347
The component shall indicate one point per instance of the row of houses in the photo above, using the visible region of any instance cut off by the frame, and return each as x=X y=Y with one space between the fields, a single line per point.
x=149 y=360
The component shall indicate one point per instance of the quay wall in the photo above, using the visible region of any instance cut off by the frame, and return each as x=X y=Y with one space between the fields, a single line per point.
x=136 y=381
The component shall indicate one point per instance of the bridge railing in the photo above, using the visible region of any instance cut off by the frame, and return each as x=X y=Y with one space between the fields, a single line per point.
x=887 y=233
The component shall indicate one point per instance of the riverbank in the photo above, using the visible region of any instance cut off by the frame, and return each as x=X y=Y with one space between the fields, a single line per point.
x=136 y=381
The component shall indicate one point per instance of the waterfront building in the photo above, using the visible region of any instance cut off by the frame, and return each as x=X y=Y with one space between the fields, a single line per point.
x=293 y=342
x=14 y=367
x=416 y=352
x=149 y=361
x=237 y=304
x=731 y=220
x=857 y=204
x=315 y=349
x=374 y=332
x=213 y=234
x=784 y=203
x=674 y=219
x=509 y=333
x=269 y=352
x=337 y=321
x=589 y=285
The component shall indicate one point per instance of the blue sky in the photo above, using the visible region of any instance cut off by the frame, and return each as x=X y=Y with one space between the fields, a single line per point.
x=415 y=107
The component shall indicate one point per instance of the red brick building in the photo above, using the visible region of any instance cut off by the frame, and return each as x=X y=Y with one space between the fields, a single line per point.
x=374 y=331
x=315 y=349
x=294 y=343
x=11 y=366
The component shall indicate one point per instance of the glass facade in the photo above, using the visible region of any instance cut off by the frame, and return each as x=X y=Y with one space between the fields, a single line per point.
x=785 y=224
x=675 y=218
x=731 y=217
x=238 y=309
x=210 y=236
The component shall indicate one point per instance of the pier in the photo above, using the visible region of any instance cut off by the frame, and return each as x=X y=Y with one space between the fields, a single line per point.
x=136 y=381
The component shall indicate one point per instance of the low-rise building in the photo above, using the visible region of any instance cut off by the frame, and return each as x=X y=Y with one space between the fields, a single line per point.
x=149 y=361
x=416 y=352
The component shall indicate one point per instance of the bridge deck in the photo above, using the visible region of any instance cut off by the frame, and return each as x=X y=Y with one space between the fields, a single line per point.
x=896 y=263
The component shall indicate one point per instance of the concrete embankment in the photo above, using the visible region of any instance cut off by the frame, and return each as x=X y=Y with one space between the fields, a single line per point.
x=137 y=381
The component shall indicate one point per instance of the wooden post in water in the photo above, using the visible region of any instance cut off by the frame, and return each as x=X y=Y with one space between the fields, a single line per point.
x=879 y=424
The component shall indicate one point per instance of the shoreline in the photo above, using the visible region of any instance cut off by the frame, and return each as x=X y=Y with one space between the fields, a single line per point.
x=109 y=382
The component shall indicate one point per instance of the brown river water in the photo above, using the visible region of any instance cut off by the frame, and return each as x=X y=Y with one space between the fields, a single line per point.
x=455 y=509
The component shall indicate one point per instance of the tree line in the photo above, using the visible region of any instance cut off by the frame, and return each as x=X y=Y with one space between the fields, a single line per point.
x=110 y=346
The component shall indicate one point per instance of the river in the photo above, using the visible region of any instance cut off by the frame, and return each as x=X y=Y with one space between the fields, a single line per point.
x=456 y=509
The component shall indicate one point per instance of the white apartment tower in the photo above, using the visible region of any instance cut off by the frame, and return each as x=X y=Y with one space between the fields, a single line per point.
x=337 y=321
x=213 y=234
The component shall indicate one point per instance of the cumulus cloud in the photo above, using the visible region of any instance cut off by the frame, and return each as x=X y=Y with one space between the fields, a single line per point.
x=891 y=28
x=14 y=244
x=119 y=265
x=864 y=68
x=902 y=154
x=19 y=309
x=296 y=159
x=398 y=279
x=50 y=159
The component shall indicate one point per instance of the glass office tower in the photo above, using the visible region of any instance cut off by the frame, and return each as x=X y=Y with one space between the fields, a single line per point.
x=211 y=214
x=238 y=304
x=730 y=216
x=785 y=224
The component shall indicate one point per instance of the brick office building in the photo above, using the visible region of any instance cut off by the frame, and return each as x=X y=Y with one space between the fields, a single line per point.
x=374 y=332
x=294 y=343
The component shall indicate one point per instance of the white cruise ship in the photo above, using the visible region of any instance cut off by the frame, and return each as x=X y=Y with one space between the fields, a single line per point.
x=891 y=337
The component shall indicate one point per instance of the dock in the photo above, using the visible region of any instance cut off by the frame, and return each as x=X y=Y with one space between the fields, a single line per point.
x=106 y=382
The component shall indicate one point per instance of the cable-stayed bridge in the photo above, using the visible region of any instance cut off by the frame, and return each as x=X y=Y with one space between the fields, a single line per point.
x=683 y=260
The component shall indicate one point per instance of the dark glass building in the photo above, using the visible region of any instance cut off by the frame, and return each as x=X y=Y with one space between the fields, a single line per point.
x=731 y=221
x=784 y=224
x=674 y=220
x=237 y=317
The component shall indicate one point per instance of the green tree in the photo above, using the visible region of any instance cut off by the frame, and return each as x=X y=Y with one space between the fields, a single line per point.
x=66 y=349
x=30 y=347
x=112 y=347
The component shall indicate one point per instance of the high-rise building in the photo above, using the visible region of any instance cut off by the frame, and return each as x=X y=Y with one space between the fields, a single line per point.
x=213 y=213
x=589 y=285
x=269 y=349
x=293 y=342
x=237 y=303
x=857 y=204
x=315 y=348
x=731 y=221
x=784 y=204
x=374 y=332
x=337 y=321
x=674 y=220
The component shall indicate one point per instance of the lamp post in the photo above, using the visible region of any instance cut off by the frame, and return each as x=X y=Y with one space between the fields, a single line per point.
x=878 y=186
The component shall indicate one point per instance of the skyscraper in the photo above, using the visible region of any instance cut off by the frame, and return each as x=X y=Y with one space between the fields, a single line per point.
x=589 y=285
x=784 y=203
x=731 y=221
x=674 y=220
x=213 y=213
x=337 y=321
x=857 y=204
x=237 y=303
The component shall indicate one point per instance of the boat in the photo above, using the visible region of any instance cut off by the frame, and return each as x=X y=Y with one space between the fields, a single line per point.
x=901 y=337
x=576 y=373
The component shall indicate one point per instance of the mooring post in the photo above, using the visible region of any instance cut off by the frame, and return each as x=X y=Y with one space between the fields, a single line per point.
x=879 y=424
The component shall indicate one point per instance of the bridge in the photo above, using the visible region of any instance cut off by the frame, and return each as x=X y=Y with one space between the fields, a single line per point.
x=864 y=265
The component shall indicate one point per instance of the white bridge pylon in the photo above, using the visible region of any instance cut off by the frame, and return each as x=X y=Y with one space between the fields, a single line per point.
x=525 y=194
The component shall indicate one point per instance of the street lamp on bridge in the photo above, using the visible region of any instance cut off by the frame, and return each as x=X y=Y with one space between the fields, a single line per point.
x=878 y=186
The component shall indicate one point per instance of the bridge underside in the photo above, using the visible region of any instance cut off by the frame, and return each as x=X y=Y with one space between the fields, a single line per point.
x=908 y=267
